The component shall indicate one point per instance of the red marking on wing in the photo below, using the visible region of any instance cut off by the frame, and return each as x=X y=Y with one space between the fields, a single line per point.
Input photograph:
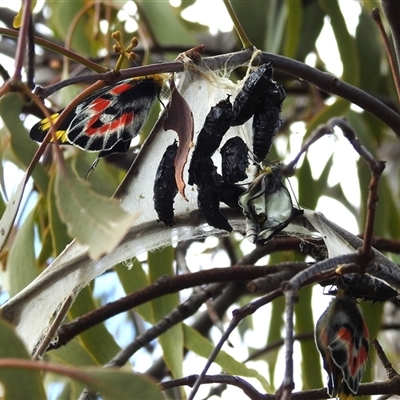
x=123 y=87
x=99 y=105
x=112 y=126
x=345 y=335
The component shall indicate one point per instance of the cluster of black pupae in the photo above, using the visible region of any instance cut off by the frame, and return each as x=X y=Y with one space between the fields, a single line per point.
x=261 y=98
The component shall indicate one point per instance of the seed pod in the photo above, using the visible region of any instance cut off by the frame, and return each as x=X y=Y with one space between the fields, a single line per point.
x=267 y=120
x=251 y=94
x=342 y=336
x=217 y=123
x=234 y=160
x=165 y=189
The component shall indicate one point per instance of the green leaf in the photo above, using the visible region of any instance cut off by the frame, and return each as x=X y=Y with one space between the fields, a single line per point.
x=345 y=42
x=252 y=17
x=308 y=196
x=311 y=26
x=338 y=108
x=132 y=279
x=372 y=313
x=161 y=263
x=104 y=179
x=74 y=354
x=369 y=52
x=309 y=354
x=10 y=213
x=293 y=27
x=122 y=385
x=97 y=340
x=276 y=324
x=21 y=264
x=276 y=25
x=63 y=21
x=197 y=343
x=22 y=147
x=165 y=26
x=95 y=221
x=18 y=383
x=58 y=229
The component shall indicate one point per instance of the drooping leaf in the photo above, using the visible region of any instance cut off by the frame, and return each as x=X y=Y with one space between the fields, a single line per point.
x=94 y=220
x=18 y=383
x=295 y=15
x=10 y=213
x=161 y=263
x=345 y=42
x=338 y=108
x=67 y=19
x=22 y=148
x=369 y=53
x=165 y=26
x=313 y=21
x=58 y=229
x=21 y=264
x=132 y=279
x=97 y=341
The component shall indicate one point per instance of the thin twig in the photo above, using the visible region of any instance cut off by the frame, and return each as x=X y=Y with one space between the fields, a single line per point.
x=30 y=73
x=317 y=134
x=390 y=371
x=246 y=43
x=391 y=10
x=248 y=389
x=285 y=390
x=22 y=38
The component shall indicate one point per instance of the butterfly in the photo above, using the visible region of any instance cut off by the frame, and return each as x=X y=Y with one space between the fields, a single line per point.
x=108 y=119
x=342 y=336
x=267 y=205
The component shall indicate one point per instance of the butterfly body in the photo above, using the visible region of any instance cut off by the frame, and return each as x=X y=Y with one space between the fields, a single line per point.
x=342 y=339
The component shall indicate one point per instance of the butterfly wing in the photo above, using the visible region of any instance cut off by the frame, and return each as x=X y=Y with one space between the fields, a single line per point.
x=342 y=339
x=349 y=347
x=107 y=119
x=39 y=131
x=117 y=115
